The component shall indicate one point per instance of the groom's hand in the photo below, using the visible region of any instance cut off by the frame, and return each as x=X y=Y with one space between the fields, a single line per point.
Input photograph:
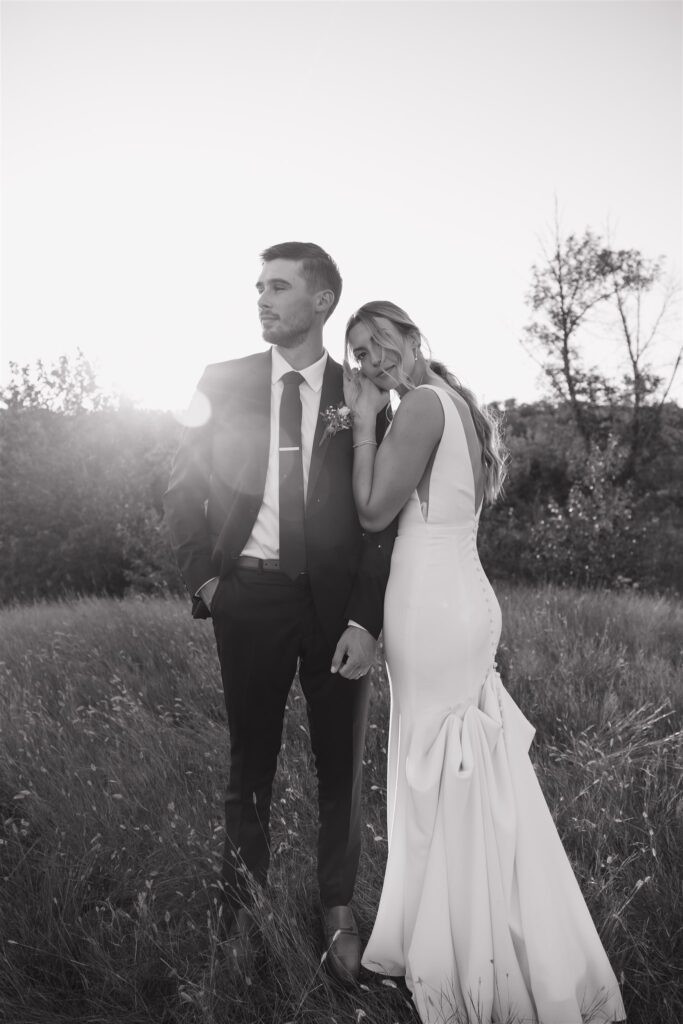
x=207 y=591
x=355 y=653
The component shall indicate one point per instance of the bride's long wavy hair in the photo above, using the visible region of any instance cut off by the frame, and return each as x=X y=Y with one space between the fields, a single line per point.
x=486 y=423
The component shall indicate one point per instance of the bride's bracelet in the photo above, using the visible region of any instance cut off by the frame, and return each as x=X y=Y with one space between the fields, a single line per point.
x=359 y=443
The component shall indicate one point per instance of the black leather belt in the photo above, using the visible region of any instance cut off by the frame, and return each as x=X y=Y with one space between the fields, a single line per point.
x=259 y=564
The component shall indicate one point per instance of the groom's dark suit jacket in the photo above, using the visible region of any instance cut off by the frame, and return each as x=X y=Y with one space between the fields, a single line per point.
x=217 y=484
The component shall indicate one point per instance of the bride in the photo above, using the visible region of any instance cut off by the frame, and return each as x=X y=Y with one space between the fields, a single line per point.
x=480 y=909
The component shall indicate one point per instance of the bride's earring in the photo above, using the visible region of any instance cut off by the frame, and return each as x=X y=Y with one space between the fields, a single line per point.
x=417 y=354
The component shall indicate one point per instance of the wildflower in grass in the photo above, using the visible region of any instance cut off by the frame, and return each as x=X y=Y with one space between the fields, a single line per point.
x=323 y=958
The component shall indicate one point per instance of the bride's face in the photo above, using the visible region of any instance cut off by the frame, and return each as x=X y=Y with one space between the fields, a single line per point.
x=377 y=362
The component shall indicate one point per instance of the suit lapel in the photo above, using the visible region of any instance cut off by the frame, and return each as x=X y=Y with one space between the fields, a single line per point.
x=259 y=400
x=332 y=393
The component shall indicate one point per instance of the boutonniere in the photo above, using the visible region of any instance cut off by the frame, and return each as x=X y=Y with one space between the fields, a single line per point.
x=337 y=417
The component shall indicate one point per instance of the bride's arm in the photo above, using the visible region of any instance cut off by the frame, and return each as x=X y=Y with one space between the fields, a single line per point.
x=385 y=477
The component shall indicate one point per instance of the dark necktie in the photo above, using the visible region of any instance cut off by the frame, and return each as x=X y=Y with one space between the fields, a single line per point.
x=292 y=543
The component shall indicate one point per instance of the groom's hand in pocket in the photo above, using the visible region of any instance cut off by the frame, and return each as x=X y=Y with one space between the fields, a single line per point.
x=207 y=591
x=354 y=654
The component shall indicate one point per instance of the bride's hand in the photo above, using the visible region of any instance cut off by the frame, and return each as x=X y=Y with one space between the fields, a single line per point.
x=364 y=399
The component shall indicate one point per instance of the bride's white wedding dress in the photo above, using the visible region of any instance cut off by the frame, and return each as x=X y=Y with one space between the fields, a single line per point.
x=480 y=909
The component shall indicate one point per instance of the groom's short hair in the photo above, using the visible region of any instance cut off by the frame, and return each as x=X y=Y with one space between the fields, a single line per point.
x=317 y=266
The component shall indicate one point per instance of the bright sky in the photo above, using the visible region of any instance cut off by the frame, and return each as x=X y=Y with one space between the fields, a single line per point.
x=151 y=150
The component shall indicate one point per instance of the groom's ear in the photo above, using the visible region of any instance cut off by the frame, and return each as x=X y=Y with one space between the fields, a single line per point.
x=324 y=300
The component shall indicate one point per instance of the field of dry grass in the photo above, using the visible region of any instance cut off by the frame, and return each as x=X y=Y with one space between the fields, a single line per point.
x=113 y=760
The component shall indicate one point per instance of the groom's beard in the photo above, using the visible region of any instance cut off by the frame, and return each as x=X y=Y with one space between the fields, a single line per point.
x=275 y=333
x=287 y=341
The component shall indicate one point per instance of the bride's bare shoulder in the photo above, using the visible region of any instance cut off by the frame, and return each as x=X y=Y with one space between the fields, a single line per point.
x=418 y=400
x=455 y=397
x=420 y=409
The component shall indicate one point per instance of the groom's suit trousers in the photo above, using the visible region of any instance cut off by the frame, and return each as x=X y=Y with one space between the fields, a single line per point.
x=265 y=624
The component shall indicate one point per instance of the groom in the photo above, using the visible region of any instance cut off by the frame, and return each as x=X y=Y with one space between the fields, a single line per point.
x=264 y=527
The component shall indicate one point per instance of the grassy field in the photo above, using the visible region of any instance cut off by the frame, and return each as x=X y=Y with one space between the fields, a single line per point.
x=113 y=761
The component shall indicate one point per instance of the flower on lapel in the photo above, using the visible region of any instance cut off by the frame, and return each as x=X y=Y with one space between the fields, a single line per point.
x=337 y=417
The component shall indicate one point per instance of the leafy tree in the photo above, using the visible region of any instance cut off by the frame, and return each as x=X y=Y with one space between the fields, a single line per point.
x=81 y=486
x=565 y=288
x=69 y=386
x=568 y=517
x=580 y=282
x=593 y=539
x=631 y=277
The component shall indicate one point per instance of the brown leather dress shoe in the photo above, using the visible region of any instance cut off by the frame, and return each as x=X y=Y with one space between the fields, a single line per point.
x=342 y=943
x=238 y=947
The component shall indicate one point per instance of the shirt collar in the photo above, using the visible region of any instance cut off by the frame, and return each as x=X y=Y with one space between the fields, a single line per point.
x=313 y=374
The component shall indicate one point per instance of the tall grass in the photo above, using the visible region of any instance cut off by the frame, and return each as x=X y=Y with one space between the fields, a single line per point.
x=113 y=762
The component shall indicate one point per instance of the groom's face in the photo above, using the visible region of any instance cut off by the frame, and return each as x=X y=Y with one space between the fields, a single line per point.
x=287 y=306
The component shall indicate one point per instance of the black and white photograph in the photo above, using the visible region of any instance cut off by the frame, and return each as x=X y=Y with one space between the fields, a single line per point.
x=341 y=512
